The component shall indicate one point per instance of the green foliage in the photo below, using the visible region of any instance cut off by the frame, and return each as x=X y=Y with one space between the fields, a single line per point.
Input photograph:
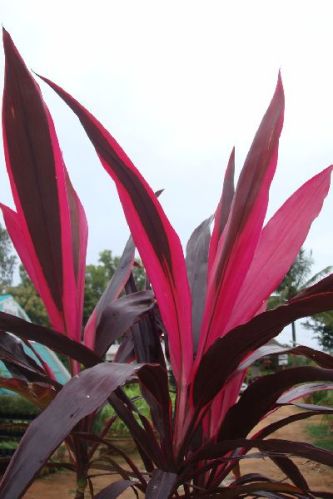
x=322 y=325
x=294 y=282
x=7 y=261
x=17 y=406
x=321 y=434
x=26 y=295
x=107 y=412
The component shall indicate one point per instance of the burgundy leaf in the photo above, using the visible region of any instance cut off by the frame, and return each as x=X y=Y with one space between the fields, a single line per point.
x=225 y=355
x=161 y=485
x=114 y=490
x=321 y=358
x=155 y=389
x=115 y=287
x=52 y=339
x=143 y=437
x=289 y=468
x=303 y=391
x=119 y=316
x=262 y=396
x=81 y=396
x=11 y=350
x=43 y=232
x=155 y=238
x=271 y=447
x=273 y=427
x=197 y=264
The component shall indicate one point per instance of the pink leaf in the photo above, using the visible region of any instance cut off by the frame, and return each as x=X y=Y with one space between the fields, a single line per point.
x=155 y=238
x=49 y=228
x=279 y=243
x=245 y=222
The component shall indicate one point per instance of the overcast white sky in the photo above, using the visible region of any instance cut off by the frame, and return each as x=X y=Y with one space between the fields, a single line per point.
x=178 y=83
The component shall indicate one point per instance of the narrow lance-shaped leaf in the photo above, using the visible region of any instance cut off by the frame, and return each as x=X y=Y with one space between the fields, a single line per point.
x=225 y=355
x=223 y=208
x=279 y=244
x=52 y=339
x=120 y=316
x=49 y=229
x=197 y=265
x=161 y=485
x=81 y=396
x=113 y=290
x=154 y=237
x=244 y=223
x=262 y=396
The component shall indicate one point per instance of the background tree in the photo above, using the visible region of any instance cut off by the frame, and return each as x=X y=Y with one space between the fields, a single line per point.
x=295 y=280
x=26 y=295
x=322 y=325
x=7 y=261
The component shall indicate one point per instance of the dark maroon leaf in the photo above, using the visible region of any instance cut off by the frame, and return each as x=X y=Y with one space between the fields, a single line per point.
x=143 y=437
x=271 y=447
x=18 y=362
x=225 y=355
x=119 y=316
x=156 y=392
x=302 y=391
x=113 y=290
x=114 y=490
x=273 y=427
x=289 y=468
x=197 y=264
x=52 y=339
x=321 y=358
x=81 y=396
x=261 y=489
x=144 y=336
x=161 y=485
x=261 y=397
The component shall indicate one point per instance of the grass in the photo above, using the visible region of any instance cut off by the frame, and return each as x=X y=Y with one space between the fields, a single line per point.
x=321 y=434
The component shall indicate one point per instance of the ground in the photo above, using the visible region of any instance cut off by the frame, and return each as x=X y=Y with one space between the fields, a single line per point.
x=319 y=477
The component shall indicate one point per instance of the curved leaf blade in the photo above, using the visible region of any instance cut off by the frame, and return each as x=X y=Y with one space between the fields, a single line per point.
x=154 y=237
x=81 y=396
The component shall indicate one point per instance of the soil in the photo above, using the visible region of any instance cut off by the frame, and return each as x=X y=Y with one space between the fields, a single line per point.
x=319 y=477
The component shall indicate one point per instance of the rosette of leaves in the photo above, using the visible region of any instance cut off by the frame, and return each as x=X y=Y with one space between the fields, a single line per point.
x=210 y=306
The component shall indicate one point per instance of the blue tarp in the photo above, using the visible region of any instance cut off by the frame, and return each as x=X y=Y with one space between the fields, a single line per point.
x=10 y=306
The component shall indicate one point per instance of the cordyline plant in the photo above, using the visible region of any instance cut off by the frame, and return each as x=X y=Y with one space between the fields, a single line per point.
x=210 y=308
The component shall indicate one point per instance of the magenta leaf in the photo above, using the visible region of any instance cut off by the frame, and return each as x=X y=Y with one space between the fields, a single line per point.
x=49 y=229
x=244 y=224
x=279 y=243
x=155 y=238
